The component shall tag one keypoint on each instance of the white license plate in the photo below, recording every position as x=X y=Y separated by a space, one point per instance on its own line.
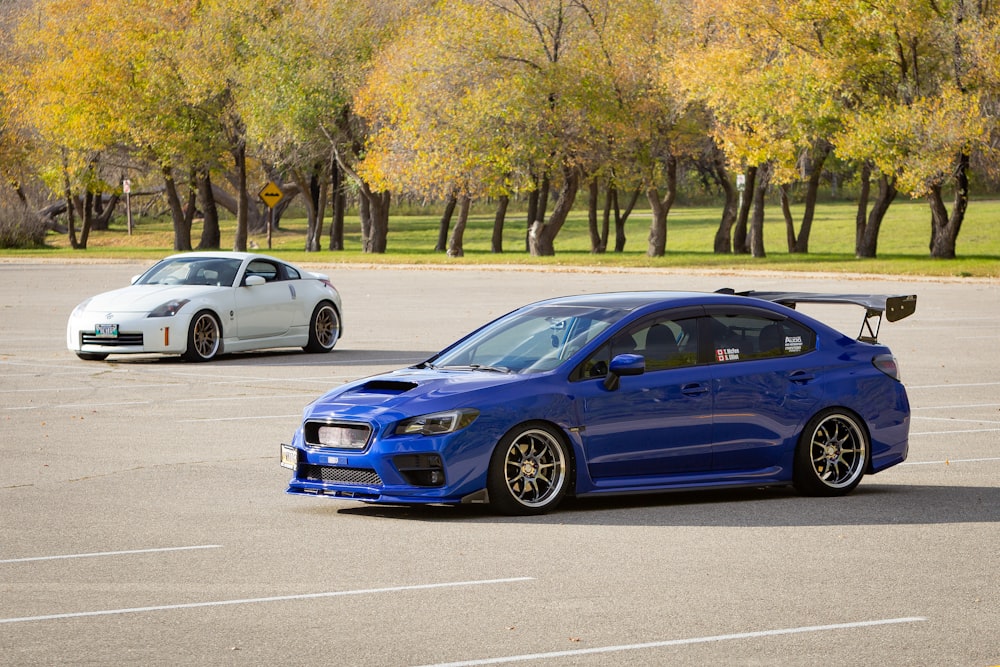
x=106 y=330
x=289 y=457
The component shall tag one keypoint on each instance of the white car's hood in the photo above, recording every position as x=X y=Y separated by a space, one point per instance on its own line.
x=144 y=298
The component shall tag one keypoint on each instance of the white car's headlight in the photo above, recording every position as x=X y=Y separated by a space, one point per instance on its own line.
x=438 y=423
x=168 y=309
x=79 y=310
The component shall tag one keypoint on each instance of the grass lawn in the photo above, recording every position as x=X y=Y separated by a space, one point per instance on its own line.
x=902 y=250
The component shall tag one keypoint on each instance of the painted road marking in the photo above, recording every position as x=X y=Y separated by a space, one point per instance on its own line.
x=675 y=642
x=280 y=598
x=111 y=553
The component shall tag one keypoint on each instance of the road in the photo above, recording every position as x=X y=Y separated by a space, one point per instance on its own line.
x=143 y=519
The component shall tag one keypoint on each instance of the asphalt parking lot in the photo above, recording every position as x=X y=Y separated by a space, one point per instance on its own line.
x=143 y=519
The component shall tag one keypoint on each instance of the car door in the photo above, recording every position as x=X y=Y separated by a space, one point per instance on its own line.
x=266 y=310
x=655 y=424
x=764 y=384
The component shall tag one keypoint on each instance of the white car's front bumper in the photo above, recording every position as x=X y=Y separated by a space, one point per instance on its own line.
x=135 y=333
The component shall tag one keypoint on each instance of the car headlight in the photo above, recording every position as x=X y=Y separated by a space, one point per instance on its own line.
x=80 y=309
x=438 y=423
x=168 y=309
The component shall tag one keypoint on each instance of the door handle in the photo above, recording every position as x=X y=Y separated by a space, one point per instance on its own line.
x=801 y=377
x=694 y=389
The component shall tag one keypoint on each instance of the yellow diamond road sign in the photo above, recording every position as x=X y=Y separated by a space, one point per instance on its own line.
x=270 y=194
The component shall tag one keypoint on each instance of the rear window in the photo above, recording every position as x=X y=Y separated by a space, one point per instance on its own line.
x=745 y=337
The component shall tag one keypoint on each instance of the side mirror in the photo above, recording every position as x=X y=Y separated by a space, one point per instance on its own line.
x=134 y=279
x=624 y=365
x=250 y=281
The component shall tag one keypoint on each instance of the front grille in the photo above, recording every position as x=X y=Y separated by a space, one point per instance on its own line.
x=337 y=435
x=314 y=473
x=123 y=340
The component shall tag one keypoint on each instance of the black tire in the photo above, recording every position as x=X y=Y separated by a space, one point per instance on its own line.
x=324 y=328
x=204 y=337
x=832 y=455
x=529 y=471
x=92 y=356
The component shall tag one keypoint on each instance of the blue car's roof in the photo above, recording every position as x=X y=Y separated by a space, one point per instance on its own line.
x=638 y=299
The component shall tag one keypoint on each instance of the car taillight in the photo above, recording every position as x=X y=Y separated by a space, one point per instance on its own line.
x=327 y=283
x=887 y=364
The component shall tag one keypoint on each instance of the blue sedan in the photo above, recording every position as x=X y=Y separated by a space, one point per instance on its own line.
x=618 y=393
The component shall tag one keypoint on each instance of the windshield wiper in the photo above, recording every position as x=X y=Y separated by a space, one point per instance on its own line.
x=491 y=369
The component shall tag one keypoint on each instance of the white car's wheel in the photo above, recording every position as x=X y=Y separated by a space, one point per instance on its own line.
x=324 y=328
x=204 y=337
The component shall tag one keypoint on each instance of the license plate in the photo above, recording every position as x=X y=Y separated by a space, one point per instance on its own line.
x=106 y=331
x=289 y=457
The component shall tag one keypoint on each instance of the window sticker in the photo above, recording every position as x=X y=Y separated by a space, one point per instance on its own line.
x=727 y=354
x=793 y=344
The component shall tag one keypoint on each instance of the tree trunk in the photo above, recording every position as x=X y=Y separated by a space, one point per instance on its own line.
x=740 y=244
x=541 y=239
x=182 y=231
x=812 y=194
x=610 y=203
x=537 y=206
x=867 y=234
x=339 y=204
x=211 y=237
x=593 y=196
x=723 y=244
x=756 y=240
x=70 y=213
x=317 y=193
x=242 y=198
x=378 y=220
x=88 y=218
x=449 y=210
x=305 y=185
x=455 y=243
x=786 y=212
x=622 y=217
x=661 y=208
x=945 y=228
x=496 y=243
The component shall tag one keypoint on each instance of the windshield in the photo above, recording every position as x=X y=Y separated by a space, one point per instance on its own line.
x=192 y=271
x=529 y=341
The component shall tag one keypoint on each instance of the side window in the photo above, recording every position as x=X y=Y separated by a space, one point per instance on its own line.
x=745 y=337
x=664 y=344
x=267 y=270
x=291 y=273
x=668 y=344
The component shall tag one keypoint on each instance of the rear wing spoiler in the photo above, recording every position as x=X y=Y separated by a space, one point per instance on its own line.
x=893 y=307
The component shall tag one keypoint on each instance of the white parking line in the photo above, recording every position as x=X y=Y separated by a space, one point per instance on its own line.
x=110 y=553
x=953 y=386
x=955 y=407
x=953 y=419
x=237 y=419
x=948 y=461
x=675 y=642
x=280 y=598
x=77 y=405
x=957 y=432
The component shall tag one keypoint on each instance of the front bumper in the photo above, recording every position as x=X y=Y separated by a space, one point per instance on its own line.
x=136 y=334
x=412 y=470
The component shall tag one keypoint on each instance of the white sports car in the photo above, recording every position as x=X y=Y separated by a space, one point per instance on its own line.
x=202 y=304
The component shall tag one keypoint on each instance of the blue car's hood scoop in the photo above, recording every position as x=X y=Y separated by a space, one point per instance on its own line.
x=409 y=391
x=385 y=387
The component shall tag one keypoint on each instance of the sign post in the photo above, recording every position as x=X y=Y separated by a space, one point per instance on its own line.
x=270 y=194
